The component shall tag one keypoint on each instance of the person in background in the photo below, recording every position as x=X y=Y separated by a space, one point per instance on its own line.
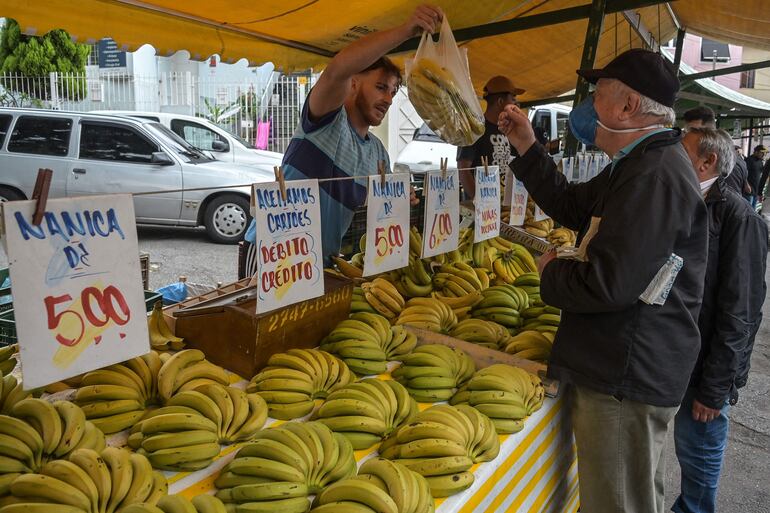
x=763 y=180
x=738 y=177
x=733 y=295
x=333 y=140
x=498 y=93
x=624 y=352
x=754 y=167
x=700 y=116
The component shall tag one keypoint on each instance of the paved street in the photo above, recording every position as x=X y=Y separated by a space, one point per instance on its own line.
x=180 y=251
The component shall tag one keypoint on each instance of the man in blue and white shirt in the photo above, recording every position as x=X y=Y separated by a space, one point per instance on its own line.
x=333 y=139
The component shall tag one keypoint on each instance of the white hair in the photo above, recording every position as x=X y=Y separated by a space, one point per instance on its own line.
x=649 y=107
x=719 y=142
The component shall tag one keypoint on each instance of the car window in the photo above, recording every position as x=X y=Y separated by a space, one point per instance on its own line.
x=561 y=125
x=196 y=134
x=5 y=122
x=112 y=142
x=41 y=136
x=542 y=119
x=424 y=133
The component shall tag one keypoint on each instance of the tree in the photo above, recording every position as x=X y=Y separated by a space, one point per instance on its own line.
x=36 y=57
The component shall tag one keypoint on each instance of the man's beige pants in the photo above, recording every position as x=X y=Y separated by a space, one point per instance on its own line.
x=620 y=449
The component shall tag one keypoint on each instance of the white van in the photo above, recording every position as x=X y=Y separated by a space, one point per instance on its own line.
x=425 y=150
x=207 y=136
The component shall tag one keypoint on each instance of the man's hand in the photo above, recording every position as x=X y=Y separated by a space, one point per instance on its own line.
x=515 y=125
x=702 y=413
x=425 y=18
x=545 y=260
x=413 y=199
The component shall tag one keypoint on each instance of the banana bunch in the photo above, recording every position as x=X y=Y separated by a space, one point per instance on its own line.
x=531 y=345
x=187 y=370
x=547 y=320
x=292 y=380
x=282 y=466
x=383 y=297
x=502 y=304
x=161 y=336
x=381 y=486
x=465 y=244
x=487 y=334
x=429 y=314
x=504 y=393
x=506 y=259
x=461 y=306
x=178 y=504
x=7 y=359
x=11 y=393
x=87 y=482
x=176 y=438
x=115 y=398
x=358 y=302
x=437 y=99
x=348 y=269
x=433 y=372
x=562 y=237
x=530 y=283
x=40 y=431
x=442 y=443
x=457 y=280
x=237 y=415
x=366 y=411
x=415 y=279
x=366 y=341
x=539 y=228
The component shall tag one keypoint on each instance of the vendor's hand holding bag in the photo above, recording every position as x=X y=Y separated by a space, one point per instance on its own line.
x=439 y=85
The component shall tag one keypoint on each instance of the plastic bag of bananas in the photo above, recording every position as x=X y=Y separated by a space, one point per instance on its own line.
x=440 y=89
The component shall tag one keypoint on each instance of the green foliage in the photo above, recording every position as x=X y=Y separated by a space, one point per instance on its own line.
x=37 y=57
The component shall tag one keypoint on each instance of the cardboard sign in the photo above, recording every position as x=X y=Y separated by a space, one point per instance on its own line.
x=77 y=287
x=508 y=188
x=539 y=215
x=487 y=202
x=387 y=224
x=442 y=213
x=288 y=240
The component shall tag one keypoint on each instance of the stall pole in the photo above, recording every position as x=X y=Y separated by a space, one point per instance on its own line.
x=679 y=46
x=593 y=33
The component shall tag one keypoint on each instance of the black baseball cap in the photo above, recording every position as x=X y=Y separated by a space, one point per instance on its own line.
x=645 y=72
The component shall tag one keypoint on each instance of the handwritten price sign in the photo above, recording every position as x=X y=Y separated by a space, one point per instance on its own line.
x=487 y=203
x=288 y=238
x=518 y=202
x=77 y=288
x=442 y=213
x=387 y=224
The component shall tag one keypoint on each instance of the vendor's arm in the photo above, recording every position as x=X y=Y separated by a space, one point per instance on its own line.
x=741 y=287
x=635 y=238
x=333 y=86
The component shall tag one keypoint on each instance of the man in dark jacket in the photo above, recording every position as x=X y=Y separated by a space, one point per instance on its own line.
x=729 y=319
x=754 y=166
x=626 y=345
x=739 y=176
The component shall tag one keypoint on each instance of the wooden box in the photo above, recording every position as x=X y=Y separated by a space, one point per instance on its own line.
x=225 y=326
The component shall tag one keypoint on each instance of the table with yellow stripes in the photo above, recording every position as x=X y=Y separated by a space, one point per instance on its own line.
x=536 y=470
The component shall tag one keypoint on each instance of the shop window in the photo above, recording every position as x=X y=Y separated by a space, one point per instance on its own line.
x=747 y=79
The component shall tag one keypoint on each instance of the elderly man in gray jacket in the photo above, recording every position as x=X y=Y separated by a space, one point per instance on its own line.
x=628 y=338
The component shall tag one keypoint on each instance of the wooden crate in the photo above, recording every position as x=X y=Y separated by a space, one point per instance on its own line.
x=234 y=336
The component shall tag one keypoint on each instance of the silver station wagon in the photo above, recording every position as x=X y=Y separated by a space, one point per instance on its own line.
x=106 y=154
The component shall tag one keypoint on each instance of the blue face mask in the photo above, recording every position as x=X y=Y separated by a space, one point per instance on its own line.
x=583 y=121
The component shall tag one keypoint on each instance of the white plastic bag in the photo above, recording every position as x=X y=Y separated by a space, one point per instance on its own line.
x=439 y=85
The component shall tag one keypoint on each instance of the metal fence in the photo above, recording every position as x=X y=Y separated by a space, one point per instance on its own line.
x=263 y=113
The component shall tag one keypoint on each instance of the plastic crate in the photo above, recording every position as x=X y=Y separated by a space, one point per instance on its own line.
x=8 y=322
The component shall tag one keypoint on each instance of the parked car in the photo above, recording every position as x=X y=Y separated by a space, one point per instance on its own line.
x=105 y=154
x=426 y=149
x=207 y=136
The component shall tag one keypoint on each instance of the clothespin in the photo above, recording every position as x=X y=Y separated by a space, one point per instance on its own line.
x=40 y=193
x=485 y=163
x=381 y=170
x=444 y=163
x=281 y=182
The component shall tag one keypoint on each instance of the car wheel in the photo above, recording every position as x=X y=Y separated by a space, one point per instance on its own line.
x=7 y=194
x=227 y=218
